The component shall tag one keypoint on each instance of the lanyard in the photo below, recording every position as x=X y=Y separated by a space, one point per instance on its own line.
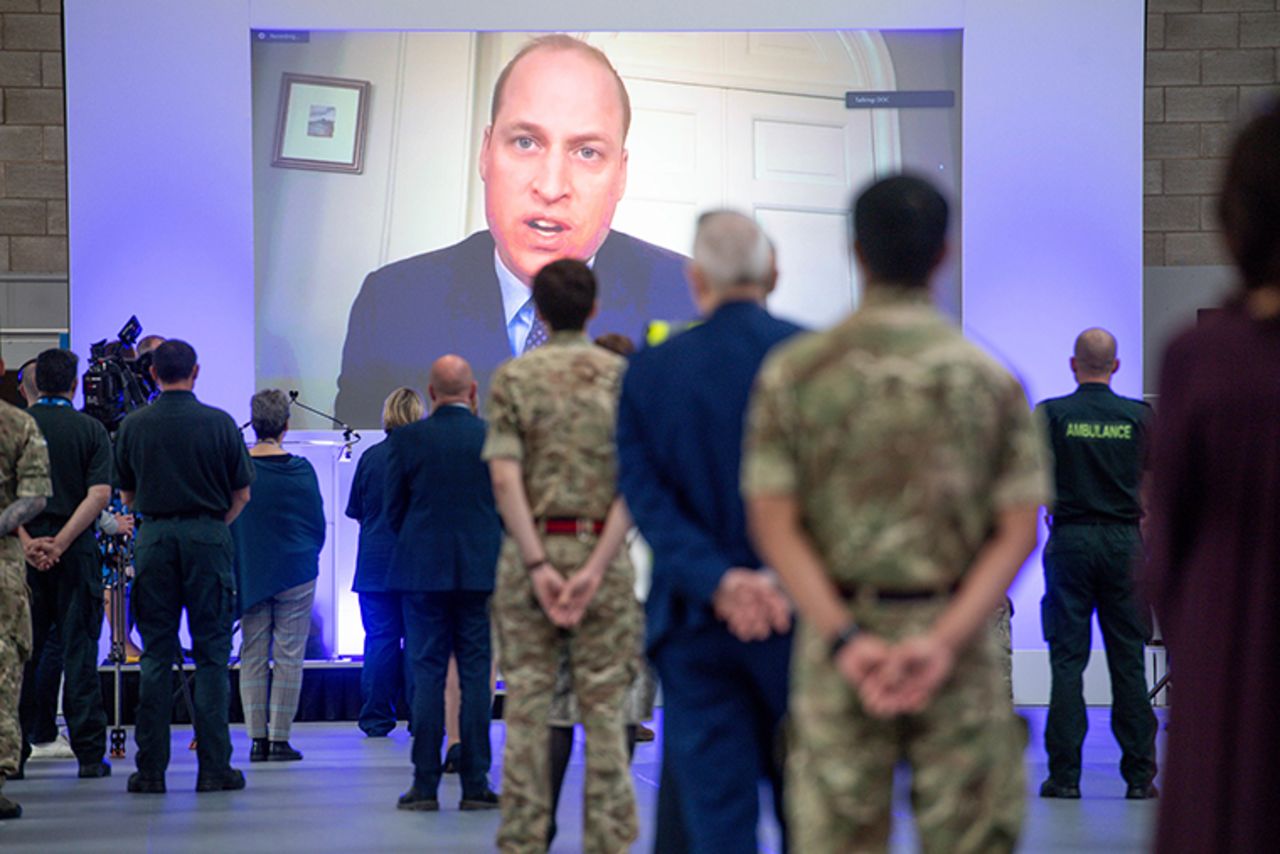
x=55 y=401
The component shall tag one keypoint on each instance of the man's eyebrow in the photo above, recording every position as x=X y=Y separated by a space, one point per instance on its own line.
x=598 y=137
x=521 y=128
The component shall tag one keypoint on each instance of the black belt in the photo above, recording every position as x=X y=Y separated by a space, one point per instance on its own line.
x=1090 y=520
x=182 y=517
x=880 y=594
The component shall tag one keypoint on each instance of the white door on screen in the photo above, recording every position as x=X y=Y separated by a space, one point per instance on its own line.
x=675 y=163
x=795 y=165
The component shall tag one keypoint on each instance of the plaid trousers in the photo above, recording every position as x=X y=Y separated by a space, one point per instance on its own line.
x=274 y=628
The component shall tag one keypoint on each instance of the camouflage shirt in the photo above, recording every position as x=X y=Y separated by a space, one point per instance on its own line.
x=553 y=409
x=900 y=440
x=24 y=470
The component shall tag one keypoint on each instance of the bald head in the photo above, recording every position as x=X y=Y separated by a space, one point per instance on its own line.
x=451 y=381
x=1094 y=358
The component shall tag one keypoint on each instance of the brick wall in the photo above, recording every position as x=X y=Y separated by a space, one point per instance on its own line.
x=33 y=169
x=1209 y=64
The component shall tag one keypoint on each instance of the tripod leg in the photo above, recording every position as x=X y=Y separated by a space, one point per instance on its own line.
x=1160 y=686
x=186 y=695
x=117 y=618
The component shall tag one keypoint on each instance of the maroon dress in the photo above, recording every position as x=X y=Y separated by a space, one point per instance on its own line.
x=1214 y=580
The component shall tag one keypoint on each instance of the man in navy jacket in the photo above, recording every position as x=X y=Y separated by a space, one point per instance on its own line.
x=554 y=166
x=439 y=501
x=718 y=627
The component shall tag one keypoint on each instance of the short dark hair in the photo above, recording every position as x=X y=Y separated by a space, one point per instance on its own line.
x=174 y=361
x=56 y=371
x=565 y=292
x=900 y=225
x=1249 y=206
x=616 y=342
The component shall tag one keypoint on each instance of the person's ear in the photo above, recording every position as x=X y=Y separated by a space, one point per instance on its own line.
x=1115 y=366
x=1072 y=362
x=195 y=372
x=431 y=393
x=595 y=309
x=155 y=378
x=486 y=151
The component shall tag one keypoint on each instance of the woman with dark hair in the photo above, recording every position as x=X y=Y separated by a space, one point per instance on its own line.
x=383 y=674
x=1214 y=575
x=278 y=539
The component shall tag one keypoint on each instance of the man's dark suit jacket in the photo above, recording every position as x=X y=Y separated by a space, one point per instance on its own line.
x=411 y=312
x=680 y=425
x=439 y=501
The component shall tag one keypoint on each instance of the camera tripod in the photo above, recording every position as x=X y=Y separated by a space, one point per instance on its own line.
x=117 y=552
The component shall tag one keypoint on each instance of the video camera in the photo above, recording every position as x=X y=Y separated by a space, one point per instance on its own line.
x=117 y=380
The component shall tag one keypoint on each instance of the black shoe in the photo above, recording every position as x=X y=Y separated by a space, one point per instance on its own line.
x=282 y=751
x=258 y=750
x=91 y=770
x=1142 y=792
x=417 y=800
x=486 y=800
x=9 y=809
x=1050 y=789
x=644 y=734
x=230 y=780
x=452 y=759
x=141 y=784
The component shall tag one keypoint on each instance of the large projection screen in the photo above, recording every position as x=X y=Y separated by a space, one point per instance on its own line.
x=161 y=181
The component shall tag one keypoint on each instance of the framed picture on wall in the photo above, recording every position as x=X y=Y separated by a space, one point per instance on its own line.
x=321 y=123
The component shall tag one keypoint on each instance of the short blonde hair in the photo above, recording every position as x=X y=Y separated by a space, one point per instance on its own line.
x=403 y=406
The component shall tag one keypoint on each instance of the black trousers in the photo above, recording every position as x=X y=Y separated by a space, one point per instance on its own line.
x=437 y=624
x=1089 y=568
x=184 y=564
x=386 y=674
x=47 y=685
x=68 y=599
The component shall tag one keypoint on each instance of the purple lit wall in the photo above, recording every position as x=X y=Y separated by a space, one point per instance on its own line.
x=161 y=195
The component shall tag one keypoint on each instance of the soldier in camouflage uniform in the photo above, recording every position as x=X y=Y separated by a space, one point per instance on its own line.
x=564 y=582
x=893 y=473
x=24 y=489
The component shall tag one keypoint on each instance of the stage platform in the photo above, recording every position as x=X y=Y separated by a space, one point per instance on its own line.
x=330 y=691
x=341 y=797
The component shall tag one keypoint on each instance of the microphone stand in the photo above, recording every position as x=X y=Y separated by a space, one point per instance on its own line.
x=349 y=435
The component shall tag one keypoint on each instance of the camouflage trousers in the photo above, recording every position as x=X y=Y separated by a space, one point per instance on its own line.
x=1002 y=627
x=964 y=750
x=602 y=659
x=15 y=649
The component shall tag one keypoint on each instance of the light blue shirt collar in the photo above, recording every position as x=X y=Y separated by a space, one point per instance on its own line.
x=517 y=304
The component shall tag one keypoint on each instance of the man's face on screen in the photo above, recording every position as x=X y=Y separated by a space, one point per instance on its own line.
x=552 y=162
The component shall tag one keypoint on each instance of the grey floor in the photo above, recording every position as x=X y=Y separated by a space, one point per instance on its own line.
x=342 y=796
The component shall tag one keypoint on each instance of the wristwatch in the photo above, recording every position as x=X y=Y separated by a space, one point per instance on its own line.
x=847 y=634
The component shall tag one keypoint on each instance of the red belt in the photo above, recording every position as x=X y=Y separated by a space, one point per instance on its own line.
x=561 y=526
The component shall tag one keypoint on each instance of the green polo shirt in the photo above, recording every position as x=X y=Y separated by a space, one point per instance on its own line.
x=79 y=457
x=181 y=458
x=1099 y=441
